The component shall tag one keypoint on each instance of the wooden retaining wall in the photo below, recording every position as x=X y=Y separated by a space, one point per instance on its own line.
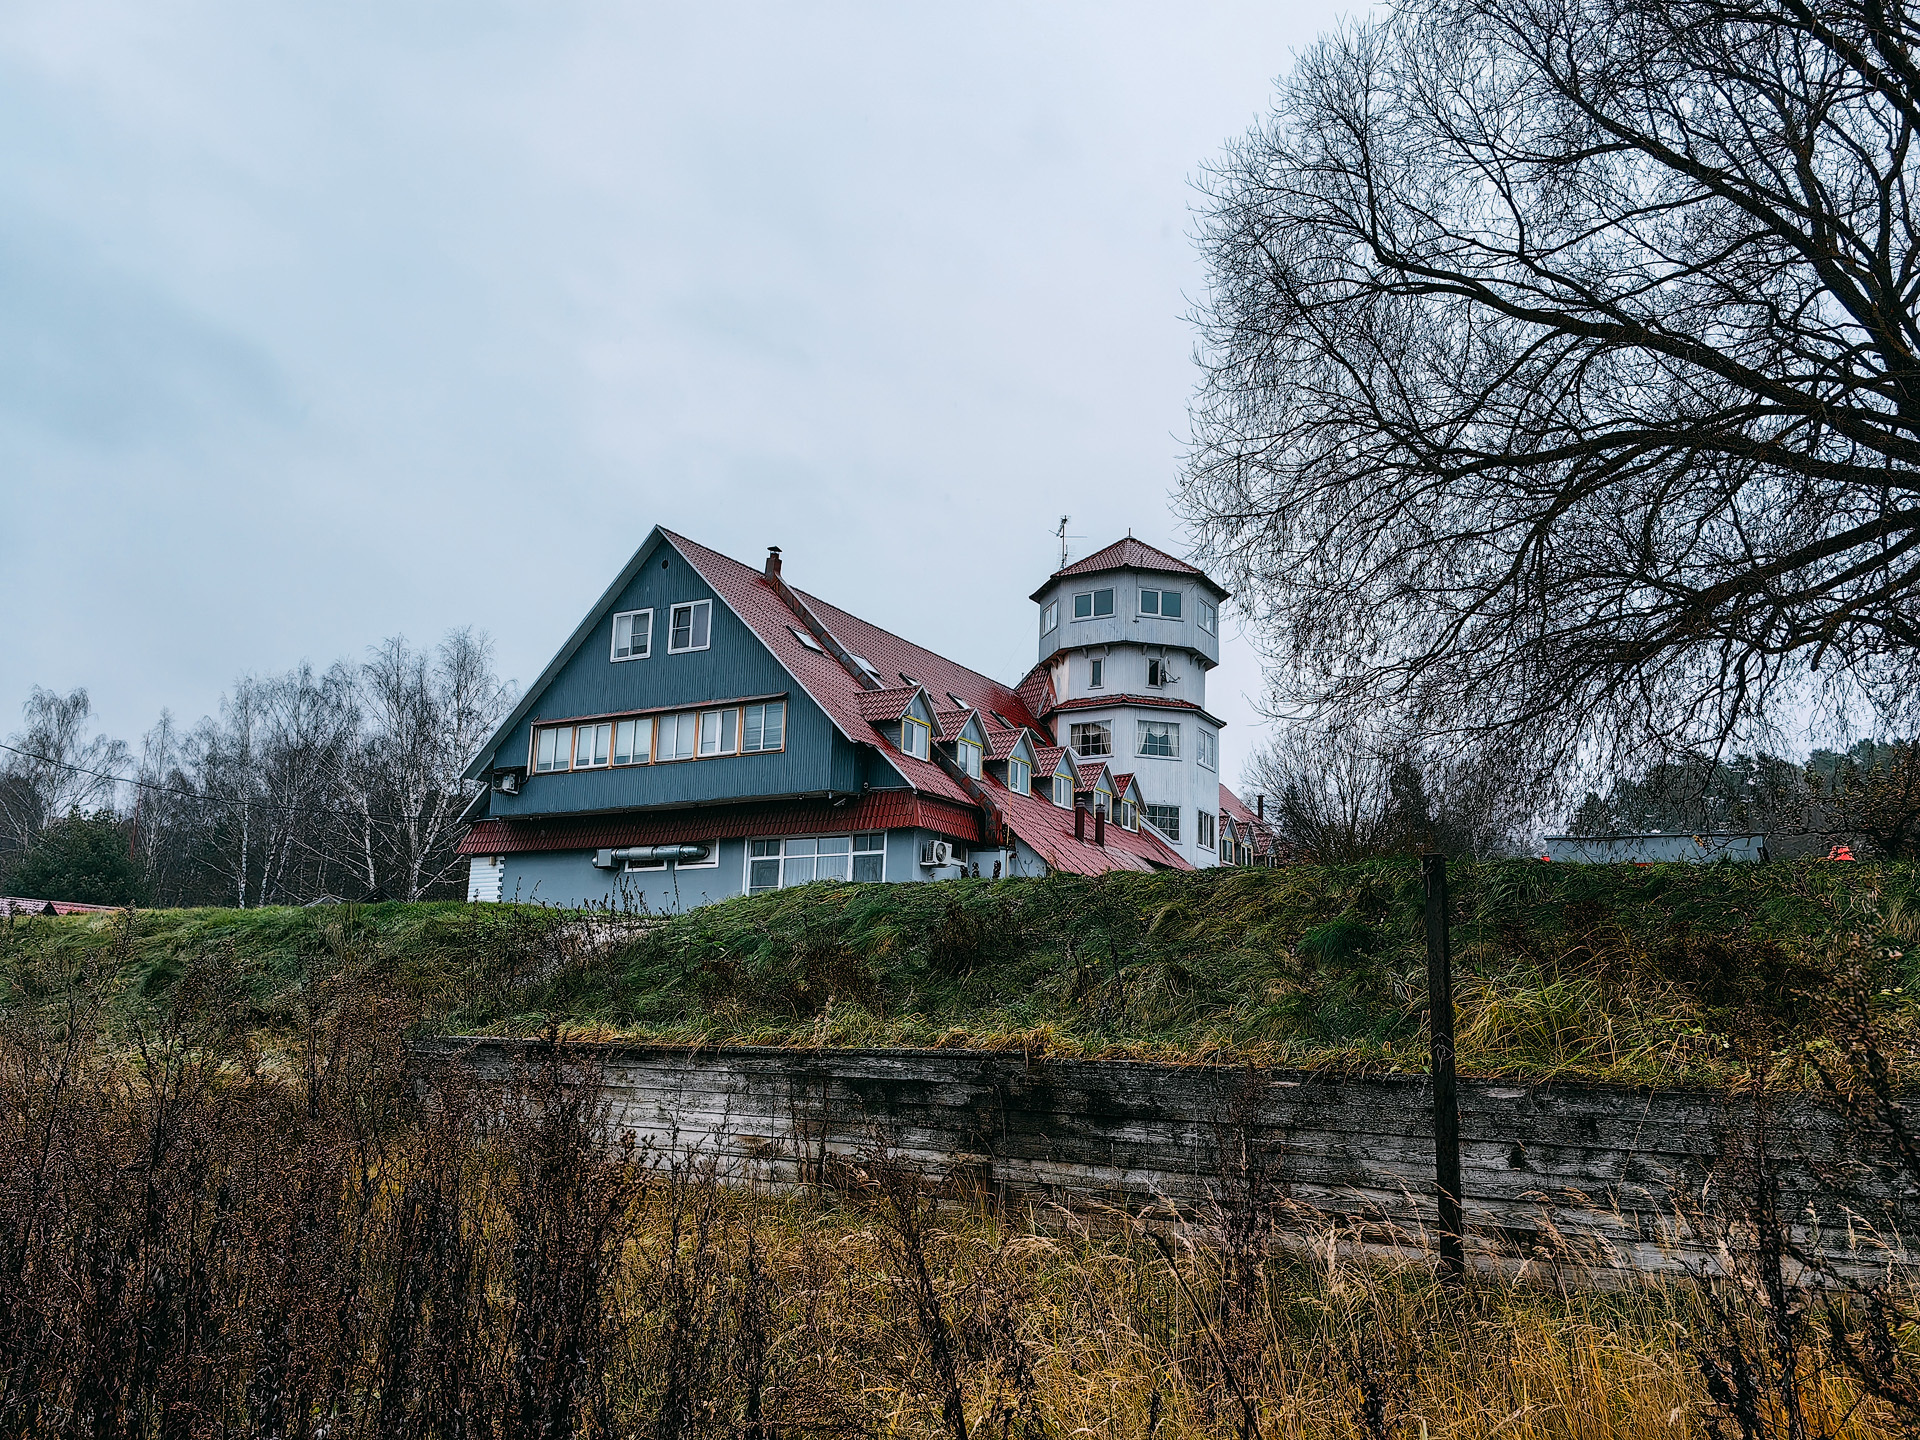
x=1555 y=1176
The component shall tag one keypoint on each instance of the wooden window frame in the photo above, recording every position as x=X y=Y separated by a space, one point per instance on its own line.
x=614 y=644
x=689 y=605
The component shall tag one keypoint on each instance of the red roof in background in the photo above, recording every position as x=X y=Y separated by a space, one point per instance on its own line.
x=1128 y=554
x=14 y=905
x=1262 y=836
x=885 y=705
x=876 y=810
x=1121 y=785
x=1049 y=830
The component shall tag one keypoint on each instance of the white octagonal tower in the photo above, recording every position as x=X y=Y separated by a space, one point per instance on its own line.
x=1127 y=636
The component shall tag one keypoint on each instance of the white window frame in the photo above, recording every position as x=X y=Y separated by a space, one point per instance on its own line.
x=1129 y=815
x=1203 y=823
x=726 y=733
x=634 y=755
x=1156 y=665
x=1050 y=618
x=592 y=731
x=1097 y=674
x=1160 y=603
x=970 y=752
x=1015 y=763
x=1174 y=833
x=1209 y=619
x=1076 y=733
x=1207 y=748
x=1092 y=597
x=646 y=647
x=1143 y=733
x=864 y=843
x=1103 y=799
x=690 y=606
x=1060 y=780
x=562 y=763
x=915 y=732
x=659 y=727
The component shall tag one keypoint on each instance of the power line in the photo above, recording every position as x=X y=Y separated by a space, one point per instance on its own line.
x=381 y=817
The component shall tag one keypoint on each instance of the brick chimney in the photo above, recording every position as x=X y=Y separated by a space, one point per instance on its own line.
x=1080 y=822
x=773 y=562
x=1260 y=807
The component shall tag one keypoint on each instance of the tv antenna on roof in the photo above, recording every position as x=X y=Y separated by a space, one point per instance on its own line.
x=1064 y=537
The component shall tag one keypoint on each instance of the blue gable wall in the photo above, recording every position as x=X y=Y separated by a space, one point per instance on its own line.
x=736 y=664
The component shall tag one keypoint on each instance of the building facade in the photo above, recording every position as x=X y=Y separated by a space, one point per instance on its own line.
x=708 y=731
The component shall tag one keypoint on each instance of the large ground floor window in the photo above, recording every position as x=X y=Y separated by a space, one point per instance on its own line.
x=776 y=864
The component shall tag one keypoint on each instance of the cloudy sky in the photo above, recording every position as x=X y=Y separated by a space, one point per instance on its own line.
x=330 y=322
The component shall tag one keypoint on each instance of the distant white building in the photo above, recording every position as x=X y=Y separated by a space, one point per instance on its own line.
x=1656 y=848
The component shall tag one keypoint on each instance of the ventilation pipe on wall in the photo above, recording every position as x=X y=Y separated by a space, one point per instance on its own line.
x=607 y=859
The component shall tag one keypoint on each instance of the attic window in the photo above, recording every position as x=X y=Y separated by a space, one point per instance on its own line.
x=1019 y=777
x=805 y=639
x=958 y=703
x=1063 y=792
x=906 y=679
x=914 y=735
x=866 y=665
x=970 y=758
x=690 y=627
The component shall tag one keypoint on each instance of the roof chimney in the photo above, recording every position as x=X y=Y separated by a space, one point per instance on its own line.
x=1100 y=825
x=1080 y=823
x=773 y=562
x=1260 y=807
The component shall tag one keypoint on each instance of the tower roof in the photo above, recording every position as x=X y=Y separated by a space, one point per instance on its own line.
x=1130 y=554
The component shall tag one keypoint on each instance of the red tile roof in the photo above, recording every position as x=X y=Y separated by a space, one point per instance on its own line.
x=1151 y=702
x=1049 y=831
x=14 y=905
x=1262 y=836
x=1000 y=742
x=885 y=705
x=750 y=596
x=1046 y=760
x=952 y=722
x=1036 y=690
x=1128 y=554
x=876 y=810
x=1090 y=772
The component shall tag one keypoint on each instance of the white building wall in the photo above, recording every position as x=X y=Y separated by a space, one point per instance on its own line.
x=484 y=876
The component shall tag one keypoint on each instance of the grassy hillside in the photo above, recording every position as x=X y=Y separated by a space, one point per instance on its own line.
x=1667 y=973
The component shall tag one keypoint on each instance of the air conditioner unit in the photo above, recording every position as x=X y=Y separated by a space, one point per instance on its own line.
x=936 y=853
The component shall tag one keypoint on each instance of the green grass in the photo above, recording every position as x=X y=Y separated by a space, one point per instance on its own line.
x=1664 y=974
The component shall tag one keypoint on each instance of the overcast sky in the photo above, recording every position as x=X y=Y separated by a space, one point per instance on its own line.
x=329 y=322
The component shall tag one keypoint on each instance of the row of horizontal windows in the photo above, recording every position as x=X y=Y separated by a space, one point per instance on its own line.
x=689 y=627
x=1098 y=605
x=778 y=864
x=655 y=739
x=1158 y=738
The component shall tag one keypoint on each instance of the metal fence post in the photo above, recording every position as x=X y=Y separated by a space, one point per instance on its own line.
x=1446 y=1099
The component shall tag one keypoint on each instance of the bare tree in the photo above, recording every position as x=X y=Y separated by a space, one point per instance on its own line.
x=52 y=768
x=1562 y=371
x=425 y=717
x=1339 y=795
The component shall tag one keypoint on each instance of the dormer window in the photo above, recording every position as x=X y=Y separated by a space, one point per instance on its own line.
x=1092 y=604
x=970 y=753
x=1129 y=815
x=914 y=737
x=632 y=634
x=1063 y=791
x=1164 y=603
x=1019 y=777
